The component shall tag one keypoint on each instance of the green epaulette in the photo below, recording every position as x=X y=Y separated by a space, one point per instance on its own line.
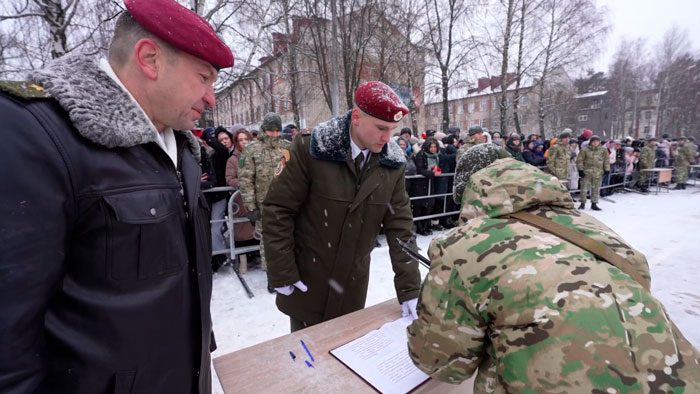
x=24 y=89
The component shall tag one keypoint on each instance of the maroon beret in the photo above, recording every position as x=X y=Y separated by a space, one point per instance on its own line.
x=380 y=101
x=181 y=28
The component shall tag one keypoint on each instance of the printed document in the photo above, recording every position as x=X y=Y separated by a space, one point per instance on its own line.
x=381 y=358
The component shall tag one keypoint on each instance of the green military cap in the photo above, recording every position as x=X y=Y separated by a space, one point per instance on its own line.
x=566 y=133
x=682 y=138
x=474 y=130
x=271 y=121
x=473 y=160
x=595 y=137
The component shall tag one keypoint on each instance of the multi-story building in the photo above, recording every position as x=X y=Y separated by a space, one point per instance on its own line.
x=593 y=112
x=268 y=86
x=480 y=106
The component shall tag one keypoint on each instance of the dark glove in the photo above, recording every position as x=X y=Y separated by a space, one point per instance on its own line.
x=580 y=173
x=254 y=216
x=605 y=173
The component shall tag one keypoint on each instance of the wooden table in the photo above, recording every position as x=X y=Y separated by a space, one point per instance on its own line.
x=661 y=175
x=268 y=368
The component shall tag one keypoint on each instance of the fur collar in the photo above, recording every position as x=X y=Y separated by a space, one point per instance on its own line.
x=98 y=108
x=331 y=141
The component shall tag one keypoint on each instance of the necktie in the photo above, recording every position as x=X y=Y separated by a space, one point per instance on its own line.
x=358 y=163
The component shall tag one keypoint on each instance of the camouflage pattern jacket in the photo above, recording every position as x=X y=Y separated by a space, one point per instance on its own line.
x=256 y=168
x=686 y=155
x=468 y=143
x=594 y=160
x=647 y=157
x=535 y=313
x=559 y=160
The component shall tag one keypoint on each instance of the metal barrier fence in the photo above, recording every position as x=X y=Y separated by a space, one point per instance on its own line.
x=232 y=207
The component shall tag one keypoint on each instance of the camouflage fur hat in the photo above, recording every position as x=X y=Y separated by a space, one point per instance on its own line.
x=595 y=137
x=271 y=121
x=475 y=159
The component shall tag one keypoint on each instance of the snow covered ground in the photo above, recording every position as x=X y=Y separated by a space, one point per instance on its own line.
x=664 y=227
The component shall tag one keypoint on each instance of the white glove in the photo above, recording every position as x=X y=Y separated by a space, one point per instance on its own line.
x=287 y=290
x=408 y=308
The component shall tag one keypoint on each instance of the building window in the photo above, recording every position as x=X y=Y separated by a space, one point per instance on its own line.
x=524 y=100
x=648 y=100
x=646 y=130
x=460 y=109
x=473 y=123
x=523 y=120
x=449 y=109
x=471 y=107
x=596 y=104
x=482 y=106
x=582 y=118
x=647 y=114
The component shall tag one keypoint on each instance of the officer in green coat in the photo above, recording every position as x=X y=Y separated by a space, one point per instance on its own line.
x=593 y=163
x=559 y=157
x=325 y=207
x=647 y=160
x=256 y=169
x=533 y=312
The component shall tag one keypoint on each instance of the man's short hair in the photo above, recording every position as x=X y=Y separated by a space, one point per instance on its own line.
x=127 y=32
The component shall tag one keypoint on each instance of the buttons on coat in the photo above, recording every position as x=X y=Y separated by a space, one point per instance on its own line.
x=153 y=212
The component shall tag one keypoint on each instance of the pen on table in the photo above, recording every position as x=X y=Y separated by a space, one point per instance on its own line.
x=307 y=350
x=309 y=364
x=294 y=358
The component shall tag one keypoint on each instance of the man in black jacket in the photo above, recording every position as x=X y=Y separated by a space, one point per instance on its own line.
x=105 y=281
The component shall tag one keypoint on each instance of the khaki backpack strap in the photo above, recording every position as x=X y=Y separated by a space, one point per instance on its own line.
x=577 y=238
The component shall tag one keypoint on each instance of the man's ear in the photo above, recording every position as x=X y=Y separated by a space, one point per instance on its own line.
x=149 y=56
x=355 y=116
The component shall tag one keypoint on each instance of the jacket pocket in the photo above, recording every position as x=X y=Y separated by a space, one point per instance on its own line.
x=124 y=382
x=145 y=234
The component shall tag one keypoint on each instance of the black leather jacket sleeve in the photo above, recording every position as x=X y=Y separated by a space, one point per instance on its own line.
x=37 y=208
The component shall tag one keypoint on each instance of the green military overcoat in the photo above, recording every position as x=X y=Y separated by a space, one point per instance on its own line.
x=321 y=218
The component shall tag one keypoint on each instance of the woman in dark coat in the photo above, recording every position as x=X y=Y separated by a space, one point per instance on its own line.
x=427 y=164
x=513 y=147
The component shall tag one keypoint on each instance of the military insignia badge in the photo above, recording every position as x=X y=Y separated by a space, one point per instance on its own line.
x=398 y=116
x=282 y=163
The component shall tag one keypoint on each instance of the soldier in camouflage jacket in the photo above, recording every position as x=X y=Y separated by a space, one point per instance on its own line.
x=647 y=160
x=256 y=169
x=559 y=157
x=475 y=135
x=686 y=157
x=535 y=313
x=593 y=163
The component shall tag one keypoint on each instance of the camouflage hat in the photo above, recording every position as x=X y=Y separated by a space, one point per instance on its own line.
x=474 y=130
x=652 y=139
x=682 y=138
x=566 y=133
x=473 y=160
x=595 y=137
x=271 y=121
x=691 y=139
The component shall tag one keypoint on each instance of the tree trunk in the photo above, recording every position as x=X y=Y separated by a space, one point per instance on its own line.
x=504 y=69
x=334 y=60
x=445 y=101
x=518 y=69
x=292 y=61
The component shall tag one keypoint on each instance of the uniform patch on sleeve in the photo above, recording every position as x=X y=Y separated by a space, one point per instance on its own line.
x=282 y=163
x=241 y=161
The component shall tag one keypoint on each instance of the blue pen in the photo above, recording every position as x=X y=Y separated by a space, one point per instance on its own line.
x=307 y=351
x=294 y=358
x=308 y=364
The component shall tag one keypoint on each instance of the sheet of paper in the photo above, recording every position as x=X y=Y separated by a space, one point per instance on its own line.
x=381 y=358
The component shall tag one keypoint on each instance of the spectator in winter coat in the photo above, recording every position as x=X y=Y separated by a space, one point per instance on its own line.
x=513 y=147
x=531 y=156
x=573 y=171
x=221 y=141
x=427 y=164
x=665 y=146
x=497 y=139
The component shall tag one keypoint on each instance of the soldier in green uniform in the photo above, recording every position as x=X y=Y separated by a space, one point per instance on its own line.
x=256 y=169
x=686 y=157
x=647 y=159
x=559 y=157
x=593 y=163
x=534 y=312
x=323 y=212
x=474 y=138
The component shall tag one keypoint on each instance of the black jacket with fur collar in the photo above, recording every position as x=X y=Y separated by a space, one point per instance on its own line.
x=105 y=280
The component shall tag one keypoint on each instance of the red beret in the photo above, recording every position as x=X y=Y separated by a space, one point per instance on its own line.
x=380 y=101
x=181 y=28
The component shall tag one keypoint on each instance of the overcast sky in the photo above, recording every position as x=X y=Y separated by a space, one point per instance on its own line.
x=649 y=19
